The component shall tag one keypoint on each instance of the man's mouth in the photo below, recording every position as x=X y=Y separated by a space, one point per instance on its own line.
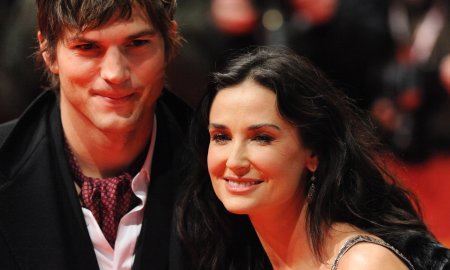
x=115 y=98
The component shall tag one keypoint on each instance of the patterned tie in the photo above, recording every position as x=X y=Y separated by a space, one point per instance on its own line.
x=109 y=199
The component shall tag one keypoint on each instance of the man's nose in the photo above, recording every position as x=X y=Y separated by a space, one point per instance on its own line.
x=238 y=161
x=115 y=67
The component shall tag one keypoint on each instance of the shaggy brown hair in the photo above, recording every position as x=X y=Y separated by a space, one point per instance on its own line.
x=55 y=16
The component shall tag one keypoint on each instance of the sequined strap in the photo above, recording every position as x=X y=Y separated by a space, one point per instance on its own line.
x=365 y=238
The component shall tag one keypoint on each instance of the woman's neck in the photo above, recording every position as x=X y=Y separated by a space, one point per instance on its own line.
x=284 y=237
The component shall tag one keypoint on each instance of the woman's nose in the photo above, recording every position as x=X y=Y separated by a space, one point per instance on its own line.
x=238 y=161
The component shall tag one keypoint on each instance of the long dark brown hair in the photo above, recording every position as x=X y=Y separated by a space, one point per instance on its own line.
x=352 y=183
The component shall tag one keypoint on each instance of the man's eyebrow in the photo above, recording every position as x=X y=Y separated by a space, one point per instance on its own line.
x=263 y=125
x=148 y=32
x=80 y=38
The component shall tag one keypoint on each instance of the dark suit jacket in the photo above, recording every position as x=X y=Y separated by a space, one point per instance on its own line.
x=41 y=222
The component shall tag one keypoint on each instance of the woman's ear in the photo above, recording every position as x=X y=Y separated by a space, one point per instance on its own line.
x=312 y=161
x=52 y=65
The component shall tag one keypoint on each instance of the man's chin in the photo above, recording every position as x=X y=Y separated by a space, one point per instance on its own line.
x=116 y=124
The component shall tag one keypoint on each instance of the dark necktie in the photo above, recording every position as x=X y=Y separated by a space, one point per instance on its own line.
x=109 y=199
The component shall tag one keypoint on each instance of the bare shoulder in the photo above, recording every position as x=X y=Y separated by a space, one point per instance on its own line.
x=360 y=254
x=371 y=256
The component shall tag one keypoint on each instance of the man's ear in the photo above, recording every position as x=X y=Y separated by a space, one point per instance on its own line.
x=173 y=26
x=52 y=65
x=173 y=37
x=312 y=161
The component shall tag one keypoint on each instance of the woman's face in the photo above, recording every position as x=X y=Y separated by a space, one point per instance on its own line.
x=256 y=159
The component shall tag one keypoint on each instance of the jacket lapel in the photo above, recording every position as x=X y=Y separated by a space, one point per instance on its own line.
x=40 y=217
x=153 y=244
x=79 y=241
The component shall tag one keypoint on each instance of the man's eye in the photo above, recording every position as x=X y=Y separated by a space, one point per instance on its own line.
x=263 y=138
x=139 y=42
x=220 y=138
x=86 y=46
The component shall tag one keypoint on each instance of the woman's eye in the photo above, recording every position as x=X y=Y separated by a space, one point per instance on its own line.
x=263 y=138
x=220 y=138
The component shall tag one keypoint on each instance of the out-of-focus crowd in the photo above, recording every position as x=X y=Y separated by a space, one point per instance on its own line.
x=391 y=56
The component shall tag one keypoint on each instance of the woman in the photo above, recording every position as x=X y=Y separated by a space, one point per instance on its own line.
x=288 y=177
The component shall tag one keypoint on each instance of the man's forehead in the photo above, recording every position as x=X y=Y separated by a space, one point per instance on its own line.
x=137 y=14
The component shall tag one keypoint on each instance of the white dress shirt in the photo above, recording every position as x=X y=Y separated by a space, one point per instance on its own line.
x=122 y=256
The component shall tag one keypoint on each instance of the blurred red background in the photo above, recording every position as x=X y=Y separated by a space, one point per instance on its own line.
x=430 y=181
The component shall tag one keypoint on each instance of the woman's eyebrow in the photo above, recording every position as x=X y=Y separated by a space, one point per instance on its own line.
x=263 y=125
x=217 y=126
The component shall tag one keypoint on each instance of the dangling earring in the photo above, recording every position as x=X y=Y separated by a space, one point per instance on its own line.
x=312 y=188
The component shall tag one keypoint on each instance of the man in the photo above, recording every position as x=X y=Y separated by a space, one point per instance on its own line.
x=87 y=173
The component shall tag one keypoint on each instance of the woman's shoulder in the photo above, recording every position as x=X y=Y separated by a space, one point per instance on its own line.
x=352 y=248
x=364 y=252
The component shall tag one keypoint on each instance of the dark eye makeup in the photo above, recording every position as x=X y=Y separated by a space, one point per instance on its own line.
x=219 y=137
x=264 y=138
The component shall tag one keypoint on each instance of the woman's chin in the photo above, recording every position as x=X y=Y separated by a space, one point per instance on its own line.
x=237 y=211
x=239 y=208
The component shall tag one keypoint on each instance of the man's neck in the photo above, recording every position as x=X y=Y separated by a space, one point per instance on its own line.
x=103 y=154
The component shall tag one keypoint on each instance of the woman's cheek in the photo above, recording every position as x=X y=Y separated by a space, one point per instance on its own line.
x=216 y=161
x=266 y=161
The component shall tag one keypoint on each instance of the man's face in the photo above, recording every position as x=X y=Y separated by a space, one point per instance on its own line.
x=111 y=76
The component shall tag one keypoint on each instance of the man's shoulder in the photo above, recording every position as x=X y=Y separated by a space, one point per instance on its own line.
x=20 y=130
x=177 y=108
x=6 y=128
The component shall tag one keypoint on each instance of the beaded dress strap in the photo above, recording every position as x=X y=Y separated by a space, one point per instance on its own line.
x=365 y=238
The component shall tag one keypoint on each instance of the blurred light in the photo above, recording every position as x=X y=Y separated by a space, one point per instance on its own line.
x=272 y=19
